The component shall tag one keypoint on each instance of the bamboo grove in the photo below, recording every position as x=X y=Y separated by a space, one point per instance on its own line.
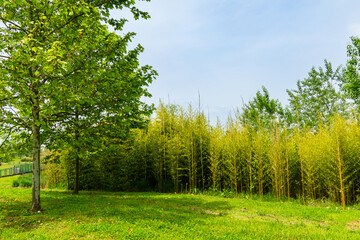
x=180 y=151
x=185 y=153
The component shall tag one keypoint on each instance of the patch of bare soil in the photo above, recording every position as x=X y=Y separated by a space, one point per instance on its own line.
x=354 y=225
x=209 y=212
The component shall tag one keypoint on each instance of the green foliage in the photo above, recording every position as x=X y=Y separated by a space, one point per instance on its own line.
x=180 y=152
x=262 y=110
x=62 y=71
x=23 y=181
x=16 y=183
x=351 y=80
x=317 y=97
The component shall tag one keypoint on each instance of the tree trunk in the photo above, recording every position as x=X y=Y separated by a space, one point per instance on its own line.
x=77 y=158
x=36 y=157
x=77 y=172
x=339 y=160
x=35 y=128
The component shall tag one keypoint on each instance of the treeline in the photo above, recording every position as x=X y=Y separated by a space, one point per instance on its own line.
x=182 y=147
x=180 y=151
x=308 y=149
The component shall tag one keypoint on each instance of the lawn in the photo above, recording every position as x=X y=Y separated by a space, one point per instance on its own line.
x=105 y=215
x=6 y=165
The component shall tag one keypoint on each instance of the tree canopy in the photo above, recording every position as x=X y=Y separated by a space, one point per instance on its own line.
x=59 y=58
x=351 y=80
x=261 y=110
x=318 y=96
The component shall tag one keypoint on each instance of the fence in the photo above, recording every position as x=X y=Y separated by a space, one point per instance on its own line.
x=17 y=169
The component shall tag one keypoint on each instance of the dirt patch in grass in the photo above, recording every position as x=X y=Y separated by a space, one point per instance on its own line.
x=354 y=225
x=280 y=219
x=208 y=212
x=212 y=212
x=243 y=217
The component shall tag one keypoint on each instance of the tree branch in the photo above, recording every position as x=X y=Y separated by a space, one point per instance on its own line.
x=64 y=76
x=76 y=16
x=20 y=28
x=7 y=137
x=6 y=99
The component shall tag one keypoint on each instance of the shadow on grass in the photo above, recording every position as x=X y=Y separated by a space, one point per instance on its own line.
x=132 y=208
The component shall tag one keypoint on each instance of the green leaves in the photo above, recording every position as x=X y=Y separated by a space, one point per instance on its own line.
x=317 y=97
x=66 y=71
x=261 y=110
x=351 y=80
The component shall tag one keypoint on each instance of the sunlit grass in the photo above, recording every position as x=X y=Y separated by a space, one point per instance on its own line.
x=104 y=215
x=6 y=165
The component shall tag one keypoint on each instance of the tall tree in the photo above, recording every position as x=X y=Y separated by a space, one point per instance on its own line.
x=111 y=109
x=351 y=80
x=317 y=97
x=261 y=110
x=50 y=59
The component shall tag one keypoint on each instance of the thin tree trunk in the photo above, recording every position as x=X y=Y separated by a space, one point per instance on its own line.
x=342 y=192
x=177 y=169
x=250 y=175
x=302 y=173
x=36 y=156
x=146 y=165
x=241 y=177
x=189 y=163
x=77 y=160
x=260 y=174
x=164 y=155
x=202 y=166
x=193 y=163
x=77 y=165
x=235 y=173
x=287 y=169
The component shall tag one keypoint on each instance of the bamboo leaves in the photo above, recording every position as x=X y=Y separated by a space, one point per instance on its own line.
x=305 y=163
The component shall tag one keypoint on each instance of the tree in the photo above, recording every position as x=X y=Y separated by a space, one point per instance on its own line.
x=112 y=108
x=317 y=97
x=52 y=57
x=261 y=110
x=351 y=80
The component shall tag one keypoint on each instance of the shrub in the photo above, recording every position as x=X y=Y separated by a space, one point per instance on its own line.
x=25 y=181
x=16 y=183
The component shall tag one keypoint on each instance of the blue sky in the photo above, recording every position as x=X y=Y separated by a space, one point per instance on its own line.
x=228 y=49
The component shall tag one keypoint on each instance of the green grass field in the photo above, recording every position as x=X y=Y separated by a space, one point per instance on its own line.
x=6 y=165
x=103 y=215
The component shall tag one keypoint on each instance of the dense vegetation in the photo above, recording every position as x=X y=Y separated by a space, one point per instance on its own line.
x=66 y=77
x=180 y=151
x=307 y=150
x=71 y=85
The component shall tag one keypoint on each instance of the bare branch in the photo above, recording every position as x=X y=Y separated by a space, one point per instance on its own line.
x=61 y=114
x=7 y=137
x=18 y=27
